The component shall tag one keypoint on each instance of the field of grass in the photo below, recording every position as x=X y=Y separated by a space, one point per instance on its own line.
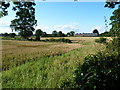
x=29 y=64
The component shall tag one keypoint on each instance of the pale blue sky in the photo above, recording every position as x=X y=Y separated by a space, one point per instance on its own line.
x=65 y=16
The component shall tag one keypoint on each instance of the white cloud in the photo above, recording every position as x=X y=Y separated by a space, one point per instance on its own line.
x=67 y=28
x=64 y=28
x=4 y=27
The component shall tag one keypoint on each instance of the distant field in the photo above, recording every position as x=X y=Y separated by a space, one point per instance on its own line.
x=30 y=64
x=18 y=52
x=76 y=39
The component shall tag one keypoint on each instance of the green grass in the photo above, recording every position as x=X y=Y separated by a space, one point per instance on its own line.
x=44 y=71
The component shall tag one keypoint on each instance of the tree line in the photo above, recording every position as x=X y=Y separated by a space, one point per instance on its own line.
x=38 y=34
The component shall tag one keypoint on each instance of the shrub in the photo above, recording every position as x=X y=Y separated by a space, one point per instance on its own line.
x=101 y=40
x=114 y=45
x=98 y=72
x=58 y=40
x=6 y=38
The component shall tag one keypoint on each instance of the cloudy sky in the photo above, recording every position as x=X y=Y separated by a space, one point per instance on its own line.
x=65 y=16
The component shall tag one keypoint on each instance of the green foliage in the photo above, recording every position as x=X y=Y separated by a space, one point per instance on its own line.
x=25 y=34
x=54 y=33
x=115 y=22
x=71 y=33
x=5 y=34
x=105 y=34
x=95 y=31
x=15 y=38
x=58 y=40
x=7 y=38
x=44 y=34
x=25 y=18
x=114 y=45
x=115 y=30
x=12 y=35
x=112 y=4
x=60 y=34
x=101 y=40
x=40 y=64
x=3 y=8
x=99 y=71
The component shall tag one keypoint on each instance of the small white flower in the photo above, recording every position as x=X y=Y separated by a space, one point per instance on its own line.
x=82 y=74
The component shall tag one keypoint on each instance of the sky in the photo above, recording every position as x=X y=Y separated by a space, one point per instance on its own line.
x=81 y=17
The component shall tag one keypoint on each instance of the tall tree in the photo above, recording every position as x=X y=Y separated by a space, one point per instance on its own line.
x=25 y=18
x=115 y=30
x=115 y=22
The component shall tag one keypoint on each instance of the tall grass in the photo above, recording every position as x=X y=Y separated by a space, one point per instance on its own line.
x=15 y=53
x=48 y=72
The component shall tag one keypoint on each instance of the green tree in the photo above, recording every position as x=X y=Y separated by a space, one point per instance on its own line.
x=115 y=22
x=72 y=33
x=60 y=34
x=54 y=33
x=25 y=18
x=44 y=34
x=38 y=33
x=68 y=34
x=12 y=35
x=115 y=30
x=105 y=34
x=5 y=34
x=25 y=34
x=95 y=31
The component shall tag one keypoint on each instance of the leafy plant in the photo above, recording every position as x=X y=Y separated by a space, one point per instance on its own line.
x=99 y=71
x=101 y=40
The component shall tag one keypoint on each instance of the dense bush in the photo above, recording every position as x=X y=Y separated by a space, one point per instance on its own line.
x=58 y=40
x=105 y=34
x=15 y=38
x=101 y=40
x=98 y=72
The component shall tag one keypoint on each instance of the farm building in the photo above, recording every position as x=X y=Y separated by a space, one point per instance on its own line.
x=94 y=34
x=87 y=34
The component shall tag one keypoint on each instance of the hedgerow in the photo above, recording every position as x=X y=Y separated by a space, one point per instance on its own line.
x=101 y=40
x=58 y=40
x=99 y=71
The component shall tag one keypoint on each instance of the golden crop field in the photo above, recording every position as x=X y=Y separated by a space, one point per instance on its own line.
x=17 y=52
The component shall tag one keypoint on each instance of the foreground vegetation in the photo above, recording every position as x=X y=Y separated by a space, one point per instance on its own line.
x=98 y=71
x=45 y=69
